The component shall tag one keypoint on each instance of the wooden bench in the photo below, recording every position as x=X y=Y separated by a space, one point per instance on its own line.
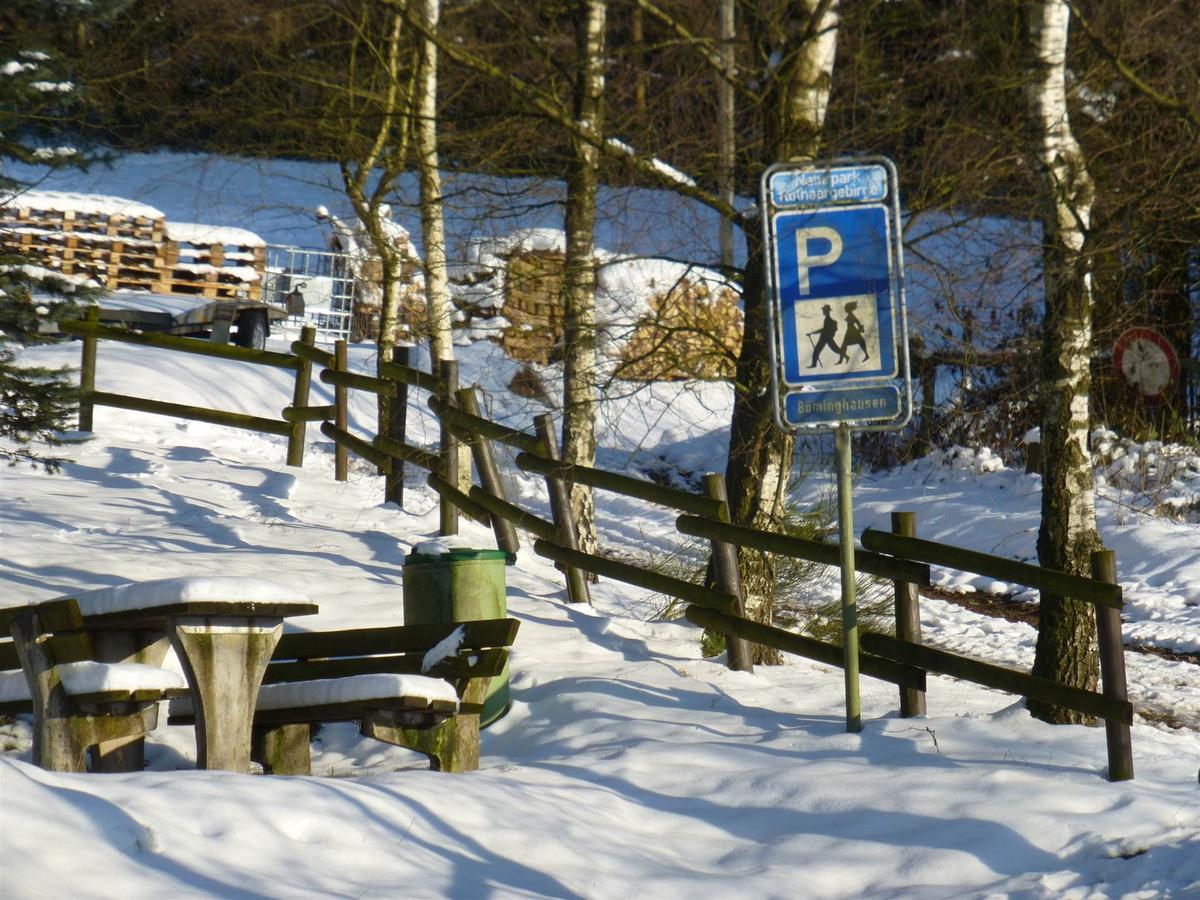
x=416 y=686
x=77 y=703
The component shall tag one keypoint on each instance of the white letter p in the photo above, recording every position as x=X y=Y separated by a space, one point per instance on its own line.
x=804 y=262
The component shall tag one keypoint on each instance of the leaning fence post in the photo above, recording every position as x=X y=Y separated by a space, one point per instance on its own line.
x=397 y=425
x=87 y=373
x=341 y=457
x=560 y=510
x=448 y=372
x=489 y=474
x=908 y=616
x=1112 y=669
x=295 y=448
x=728 y=579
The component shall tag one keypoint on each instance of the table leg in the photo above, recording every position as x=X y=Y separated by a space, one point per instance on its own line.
x=126 y=754
x=224 y=660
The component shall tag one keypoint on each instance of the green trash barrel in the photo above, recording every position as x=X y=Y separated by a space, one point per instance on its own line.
x=459 y=584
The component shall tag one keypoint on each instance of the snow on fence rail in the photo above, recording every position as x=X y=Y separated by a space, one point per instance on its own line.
x=897 y=555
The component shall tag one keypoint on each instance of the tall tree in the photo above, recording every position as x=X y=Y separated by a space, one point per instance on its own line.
x=433 y=217
x=727 y=126
x=794 y=47
x=579 y=276
x=1066 y=645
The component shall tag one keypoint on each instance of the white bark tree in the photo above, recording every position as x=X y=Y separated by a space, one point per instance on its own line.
x=433 y=220
x=579 y=277
x=433 y=212
x=1066 y=646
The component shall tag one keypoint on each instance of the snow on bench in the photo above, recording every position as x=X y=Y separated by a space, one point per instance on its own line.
x=90 y=677
x=349 y=689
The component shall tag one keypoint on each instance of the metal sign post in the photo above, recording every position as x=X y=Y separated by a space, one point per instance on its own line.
x=839 y=341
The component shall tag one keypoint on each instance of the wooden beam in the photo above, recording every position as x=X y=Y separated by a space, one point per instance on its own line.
x=1000 y=678
x=814 y=551
x=623 y=484
x=831 y=654
x=197 y=413
x=653 y=581
x=357 y=446
x=1048 y=581
x=178 y=342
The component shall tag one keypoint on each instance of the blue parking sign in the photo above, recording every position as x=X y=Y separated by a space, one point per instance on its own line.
x=833 y=281
x=837 y=306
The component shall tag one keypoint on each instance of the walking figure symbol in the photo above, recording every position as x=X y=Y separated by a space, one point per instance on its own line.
x=853 y=336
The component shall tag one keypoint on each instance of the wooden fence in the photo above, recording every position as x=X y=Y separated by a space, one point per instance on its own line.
x=897 y=555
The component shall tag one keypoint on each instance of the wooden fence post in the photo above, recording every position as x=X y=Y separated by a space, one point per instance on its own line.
x=393 y=484
x=295 y=448
x=489 y=473
x=1112 y=669
x=87 y=373
x=908 y=616
x=727 y=578
x=560 y=510
x=448 y=372
x=341 y=458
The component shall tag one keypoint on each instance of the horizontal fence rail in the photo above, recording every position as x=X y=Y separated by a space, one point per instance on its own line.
x=625 y=485
x=1048 y=581
x=510 y=512
x=308 y=413
x=465 y=504
x=999 y=677
x=315 y=355
x=639 y=577
x=359 y=382
x=197 y=413
x=357 y=446
x=876 y=666
x=801 y=548
x=179 y=343
x=464 y=421
x=408 y=375
x=407 y=452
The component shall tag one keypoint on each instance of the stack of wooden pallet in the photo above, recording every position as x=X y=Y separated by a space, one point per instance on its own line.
x=121 y=244
x=211 y=261
x=533 y=306
x=108 y=240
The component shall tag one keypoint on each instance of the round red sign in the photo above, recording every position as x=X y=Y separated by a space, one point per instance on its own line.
x=1146 y=360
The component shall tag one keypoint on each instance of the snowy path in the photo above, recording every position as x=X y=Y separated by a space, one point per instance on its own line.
x=628 y=764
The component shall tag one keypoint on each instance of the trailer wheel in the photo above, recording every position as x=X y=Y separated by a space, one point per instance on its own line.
x=252 y=330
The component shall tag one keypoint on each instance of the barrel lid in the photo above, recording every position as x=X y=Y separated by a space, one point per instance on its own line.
x=444 y=551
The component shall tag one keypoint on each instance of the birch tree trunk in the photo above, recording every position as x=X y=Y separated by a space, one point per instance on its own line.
x=433 y=221
x=1066 y=645
x=579 y=280
x=433 y=216
x=799 y=76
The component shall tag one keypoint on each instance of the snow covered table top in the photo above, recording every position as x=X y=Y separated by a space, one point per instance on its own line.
x=145 y=602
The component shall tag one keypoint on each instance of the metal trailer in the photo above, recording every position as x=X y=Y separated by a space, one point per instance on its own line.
x=247 y=321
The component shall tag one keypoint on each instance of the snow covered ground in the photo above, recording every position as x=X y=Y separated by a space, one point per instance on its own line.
x=628 y=766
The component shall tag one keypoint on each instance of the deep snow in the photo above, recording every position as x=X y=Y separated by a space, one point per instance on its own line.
x=628 y=765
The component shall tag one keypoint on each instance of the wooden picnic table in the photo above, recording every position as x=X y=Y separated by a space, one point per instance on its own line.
x=223 y=645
